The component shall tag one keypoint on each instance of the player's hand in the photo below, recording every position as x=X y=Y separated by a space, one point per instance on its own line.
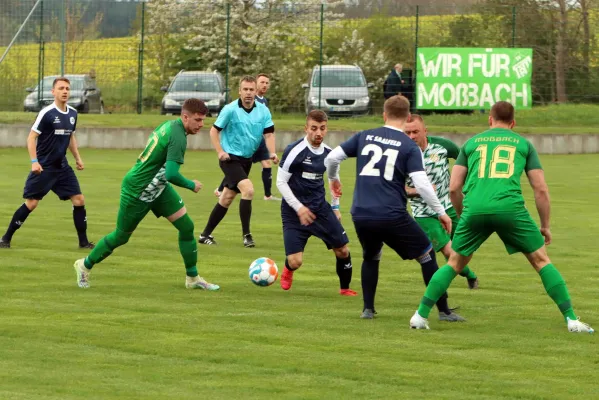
x=337 y=214
x=274 y=158
x=198 y=186
x=435 y=188
x=335 y=186
x=547 y=235
x=306 y=216
x=36 y=168
x=446 y=222
x=79 y=164
x=224 y=156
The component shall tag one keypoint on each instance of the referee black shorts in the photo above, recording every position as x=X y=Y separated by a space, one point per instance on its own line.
x=236 y=169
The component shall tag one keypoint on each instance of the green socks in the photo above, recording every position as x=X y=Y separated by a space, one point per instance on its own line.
x=435 y=289
x=556 y=289
x=468 y=273
x=106 y=246
x=187 y=245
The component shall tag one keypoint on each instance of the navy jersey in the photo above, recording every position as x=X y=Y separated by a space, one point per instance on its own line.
x=262 y=100
x=384 y=158
x=55 y=128
x=306 y=166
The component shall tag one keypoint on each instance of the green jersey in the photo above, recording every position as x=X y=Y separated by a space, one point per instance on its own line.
x=495 y=160
x=436 y=163
x=146 y=180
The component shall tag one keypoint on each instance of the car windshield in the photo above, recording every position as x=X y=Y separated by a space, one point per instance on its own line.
x=339 y=78
x=195 y=84
x=76 y=83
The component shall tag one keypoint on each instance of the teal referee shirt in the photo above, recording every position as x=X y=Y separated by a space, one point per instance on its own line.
x=242 y=129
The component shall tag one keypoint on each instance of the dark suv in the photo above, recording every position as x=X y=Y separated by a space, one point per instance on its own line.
x=86 y=97
x=206 y=86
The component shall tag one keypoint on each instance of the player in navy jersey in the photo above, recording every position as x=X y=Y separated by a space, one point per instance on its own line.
x=305 y=211
x=51 y=135
x=262 y=155
x=385 y=157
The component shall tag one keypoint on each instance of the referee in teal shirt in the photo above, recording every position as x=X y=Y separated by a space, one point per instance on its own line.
x=236 y=135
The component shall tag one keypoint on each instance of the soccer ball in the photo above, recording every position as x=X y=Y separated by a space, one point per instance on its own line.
x=263 y=272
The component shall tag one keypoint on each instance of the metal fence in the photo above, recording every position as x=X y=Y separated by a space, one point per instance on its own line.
x=133 y=49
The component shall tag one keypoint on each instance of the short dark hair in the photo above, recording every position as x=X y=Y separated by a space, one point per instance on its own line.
x=262 y=74
x=194 y=106
x=247 y=78
x=397 y=107
x=415 y=117
x=317 y=116
x=60 y=79
x=503 y=111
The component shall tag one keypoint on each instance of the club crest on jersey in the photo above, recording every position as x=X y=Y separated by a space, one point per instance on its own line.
x=434 y=158
x=72 y=120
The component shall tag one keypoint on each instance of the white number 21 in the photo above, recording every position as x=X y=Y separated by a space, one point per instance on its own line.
x=377 y=153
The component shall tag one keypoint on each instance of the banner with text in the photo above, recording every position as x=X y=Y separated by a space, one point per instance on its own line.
x=472 y=78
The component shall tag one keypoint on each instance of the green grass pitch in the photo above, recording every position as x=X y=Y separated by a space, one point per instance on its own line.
x=137 y=333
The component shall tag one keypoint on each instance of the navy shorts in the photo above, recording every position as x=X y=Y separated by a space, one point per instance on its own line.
x=403 y=235
x=326 y=227
x=63 y=182
x=262 y=154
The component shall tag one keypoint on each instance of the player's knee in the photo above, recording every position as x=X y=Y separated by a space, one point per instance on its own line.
x=185 y=227
x=31 y=204
x=371 y=256
x=342 y=252
x=248 y=192
x=294 y=261
x=539 y=258
x=78 y=200
x=120 y=237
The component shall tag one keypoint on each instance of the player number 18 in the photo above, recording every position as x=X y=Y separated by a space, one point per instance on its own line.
x=498 y=158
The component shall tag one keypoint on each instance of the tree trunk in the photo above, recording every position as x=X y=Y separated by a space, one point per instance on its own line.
x=586 y=39
x=561 y=53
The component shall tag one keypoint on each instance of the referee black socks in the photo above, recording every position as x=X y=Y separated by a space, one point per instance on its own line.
x=245 y=214
x=267 y=181
x=18 y=219
x=217 y=215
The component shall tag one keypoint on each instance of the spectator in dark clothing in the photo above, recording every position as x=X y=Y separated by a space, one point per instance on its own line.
x=394 y=84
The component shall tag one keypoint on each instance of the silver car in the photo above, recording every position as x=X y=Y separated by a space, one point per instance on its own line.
x=86 y=97
x=206 y=86
x=344 y=91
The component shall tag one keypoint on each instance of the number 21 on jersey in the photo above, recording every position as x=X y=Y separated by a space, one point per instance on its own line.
x=377 y=153
x=502 y=156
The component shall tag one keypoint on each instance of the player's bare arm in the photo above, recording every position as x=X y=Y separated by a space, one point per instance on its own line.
x=215 y=139
x=456 y=184
x=536 y=177
x=74 y=149
x=36 y=168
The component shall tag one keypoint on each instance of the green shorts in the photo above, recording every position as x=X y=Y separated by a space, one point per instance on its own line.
x=517 y=231
x=132 y=210
x=435 y=231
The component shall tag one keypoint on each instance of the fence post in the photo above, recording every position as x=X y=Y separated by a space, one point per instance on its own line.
x=40 y=66
x=513 y=26
x=415 y=70
x=227 y=55
x=140 y=69
x=63 y=35
x=320 y=57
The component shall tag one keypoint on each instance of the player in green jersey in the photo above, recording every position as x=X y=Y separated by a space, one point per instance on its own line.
x=490 y=165
x=436 y=151
x=148 y=187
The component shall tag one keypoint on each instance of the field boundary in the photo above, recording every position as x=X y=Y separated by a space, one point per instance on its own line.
x=136 y=138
